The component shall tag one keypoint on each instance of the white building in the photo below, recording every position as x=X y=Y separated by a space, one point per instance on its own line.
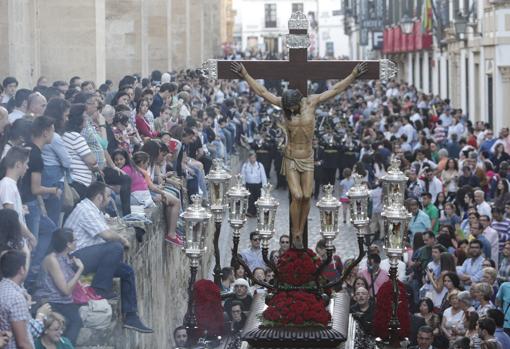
x=261 y=25
x=468 y=64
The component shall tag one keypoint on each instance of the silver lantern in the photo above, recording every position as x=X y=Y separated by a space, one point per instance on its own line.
x=358 y=197
x=396 y=219
x=329 y=215
x=266 y=214
x=237 y=204
x=218 y=180
x=196 y=222
x=394 y=184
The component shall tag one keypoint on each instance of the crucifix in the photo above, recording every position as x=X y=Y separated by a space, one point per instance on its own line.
x=298 y=107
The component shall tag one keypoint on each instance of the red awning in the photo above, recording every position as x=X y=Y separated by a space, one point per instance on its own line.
x=418 y=35
x=390 y=40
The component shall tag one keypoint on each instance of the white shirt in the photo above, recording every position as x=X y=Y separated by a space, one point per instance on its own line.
x=15 y=115
x=9 y=194
x=457 y=129
x=253 y=173
x=409 y=131
x=484 y=209
x=401 y=268
x=446 y=119
x=87 y=223
x=492 y=236
x=435 y=187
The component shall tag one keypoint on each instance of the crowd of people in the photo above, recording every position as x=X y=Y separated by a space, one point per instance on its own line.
x=74 y=154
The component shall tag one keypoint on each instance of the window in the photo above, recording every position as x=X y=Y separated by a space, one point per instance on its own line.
x=297 y=6
x=270 y=15
x=330 y=49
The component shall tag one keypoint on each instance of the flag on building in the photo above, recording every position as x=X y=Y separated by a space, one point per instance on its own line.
x=427 y=17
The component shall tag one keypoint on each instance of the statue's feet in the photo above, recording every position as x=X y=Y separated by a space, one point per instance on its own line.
x=297 y=243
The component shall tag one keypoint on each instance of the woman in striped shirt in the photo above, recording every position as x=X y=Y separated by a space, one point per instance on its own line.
x=83 y=161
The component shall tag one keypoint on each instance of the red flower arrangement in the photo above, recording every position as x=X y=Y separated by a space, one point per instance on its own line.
x=382 y=313
x=296 y=308
x=208 y=307
x=297 y=267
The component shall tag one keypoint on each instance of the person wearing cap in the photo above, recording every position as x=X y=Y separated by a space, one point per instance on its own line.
x=254 y=176
x=241 y=295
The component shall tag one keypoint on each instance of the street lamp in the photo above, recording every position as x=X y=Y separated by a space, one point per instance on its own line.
x=237 y=206
x=266 y=215
x=406 y=24
x=217 y=179
x=196 y=225
x=329 y=214
x=358 y=200
x=460 y=24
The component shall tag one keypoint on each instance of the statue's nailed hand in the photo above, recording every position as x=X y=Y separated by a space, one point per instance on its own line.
x=239 y=69
x=360 y=69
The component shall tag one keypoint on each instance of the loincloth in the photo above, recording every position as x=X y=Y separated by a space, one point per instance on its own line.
x=300 y=165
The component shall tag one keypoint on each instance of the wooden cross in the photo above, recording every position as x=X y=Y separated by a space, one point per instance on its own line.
x=298 y=69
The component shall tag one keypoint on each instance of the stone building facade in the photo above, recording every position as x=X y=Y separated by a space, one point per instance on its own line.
x=105 y=39
x=261 y=26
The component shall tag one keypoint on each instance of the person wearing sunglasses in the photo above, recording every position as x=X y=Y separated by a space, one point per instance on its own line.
x=284 y=247
x=253 y=254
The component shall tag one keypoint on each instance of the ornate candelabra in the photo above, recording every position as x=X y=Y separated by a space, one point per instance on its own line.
x=196 y=221
x=266 y=215
x=218 y=179
x=237 y=206
x=329 y=213
x=358 y=198
x=396 y=219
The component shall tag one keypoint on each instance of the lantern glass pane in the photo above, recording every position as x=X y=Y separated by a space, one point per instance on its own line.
x=328 y=219
x=238 y=207
x=359 y=209
x=264 y=218
x=395 y=235
x=216 y=193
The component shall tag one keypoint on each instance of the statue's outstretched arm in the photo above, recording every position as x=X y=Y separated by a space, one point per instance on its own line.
x=340 y=86
x=260 y=90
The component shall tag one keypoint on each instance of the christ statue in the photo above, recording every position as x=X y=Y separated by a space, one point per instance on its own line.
x=299 y=123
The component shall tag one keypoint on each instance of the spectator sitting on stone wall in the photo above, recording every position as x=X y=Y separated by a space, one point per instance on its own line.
x=101 y=251
x=60 y=273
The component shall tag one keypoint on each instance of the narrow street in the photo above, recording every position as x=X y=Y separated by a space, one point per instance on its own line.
x=346 y=242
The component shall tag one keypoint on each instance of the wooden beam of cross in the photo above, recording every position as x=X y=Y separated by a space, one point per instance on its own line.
x=298 y=69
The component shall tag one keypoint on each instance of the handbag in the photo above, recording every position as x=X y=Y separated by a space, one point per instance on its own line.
x=70 y=196
x=96 y=314
x=82 y=294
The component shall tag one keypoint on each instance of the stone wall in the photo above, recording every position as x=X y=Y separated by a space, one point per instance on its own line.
x=162 y=274
x=105 y=39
